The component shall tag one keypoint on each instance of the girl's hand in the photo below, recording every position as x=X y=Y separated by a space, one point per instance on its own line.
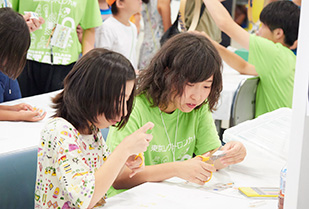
x=22 y=106
x=235 y=153
x=195 y=170
x=139 y=140
x=33 y=24
x=136 y=165
x=31 y=116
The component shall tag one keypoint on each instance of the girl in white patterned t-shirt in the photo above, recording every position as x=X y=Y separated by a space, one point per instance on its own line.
x=75 y=168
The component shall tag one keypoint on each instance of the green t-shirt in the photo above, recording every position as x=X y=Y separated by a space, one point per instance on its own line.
x=5 y=3
x=63 y=12
x=275 y=65
x=196 y=132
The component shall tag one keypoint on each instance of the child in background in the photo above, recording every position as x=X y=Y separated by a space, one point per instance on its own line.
x=269 y=55
x=13 y=49
x=105 y=10
x=75 y=167
x=118 y=33
x=157 y=19
x=177 y=92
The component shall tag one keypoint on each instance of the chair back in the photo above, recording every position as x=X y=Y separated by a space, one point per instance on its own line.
x=17 y=178
x=243 y=106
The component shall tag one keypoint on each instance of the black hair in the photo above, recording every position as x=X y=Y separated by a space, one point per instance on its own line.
x=95 y=86
x=284 y=15
x=15 y=41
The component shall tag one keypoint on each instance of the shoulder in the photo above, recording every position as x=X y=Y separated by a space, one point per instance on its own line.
x=60 y=126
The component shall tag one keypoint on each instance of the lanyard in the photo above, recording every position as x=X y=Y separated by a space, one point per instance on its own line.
x=169 y=141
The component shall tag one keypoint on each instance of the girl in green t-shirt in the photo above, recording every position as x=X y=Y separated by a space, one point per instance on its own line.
x=177 y=92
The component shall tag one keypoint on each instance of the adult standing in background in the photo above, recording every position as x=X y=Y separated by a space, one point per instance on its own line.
x=157 y=19
x=55 y=47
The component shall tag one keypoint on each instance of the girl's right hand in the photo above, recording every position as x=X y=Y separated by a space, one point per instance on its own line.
x=139 y=140
x=195 y=170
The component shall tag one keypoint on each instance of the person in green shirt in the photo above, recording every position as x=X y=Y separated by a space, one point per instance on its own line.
x=177 y=92
x=270 y=56
x=55 y=46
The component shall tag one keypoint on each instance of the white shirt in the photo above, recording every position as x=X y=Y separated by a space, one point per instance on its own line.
x=115 y=36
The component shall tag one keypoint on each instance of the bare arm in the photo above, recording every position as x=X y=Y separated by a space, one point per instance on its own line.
x=23 y=115
x=108 y=172
x=193 y=170
x=235 y=61
x=225 y=22
x=164 y=8
x=88 y=40
x=232 y=59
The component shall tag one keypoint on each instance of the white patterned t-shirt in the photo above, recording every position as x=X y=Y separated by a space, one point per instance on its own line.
x=67 y=162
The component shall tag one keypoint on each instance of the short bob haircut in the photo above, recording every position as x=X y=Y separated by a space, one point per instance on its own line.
x=95 y=86
x=185 y=58
x=284 y=15
x=15 y=41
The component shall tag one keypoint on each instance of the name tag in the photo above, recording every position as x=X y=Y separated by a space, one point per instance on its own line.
x=61 y=36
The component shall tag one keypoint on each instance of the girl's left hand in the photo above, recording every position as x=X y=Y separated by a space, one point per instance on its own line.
x=135 y=165
x=235 y=153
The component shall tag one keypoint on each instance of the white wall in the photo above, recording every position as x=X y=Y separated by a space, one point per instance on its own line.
x=297 y=187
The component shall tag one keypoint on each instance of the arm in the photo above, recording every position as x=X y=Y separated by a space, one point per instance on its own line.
x=108 y=172
x=193 y=170
x=164 y=9
x=232 y=59
x=32 y=116
x=88 y=40
x=235 y=61
x=19 y=112
x=225 y=22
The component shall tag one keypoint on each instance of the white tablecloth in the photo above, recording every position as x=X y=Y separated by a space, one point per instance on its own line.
x=261 y=168
x=22 y=135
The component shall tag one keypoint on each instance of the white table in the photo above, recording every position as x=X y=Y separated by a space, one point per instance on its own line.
x=22 y=135
x=260 y=168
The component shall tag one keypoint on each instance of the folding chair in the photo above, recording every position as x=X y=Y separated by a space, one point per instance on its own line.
x=243 y=106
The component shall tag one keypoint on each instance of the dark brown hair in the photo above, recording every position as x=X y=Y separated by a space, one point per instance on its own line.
x=15 y=41
x=96 y=85
x=183 y=58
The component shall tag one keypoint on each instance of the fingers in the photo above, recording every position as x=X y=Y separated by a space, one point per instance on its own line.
x=235 y=153
x=26 y=107
x=136 y=170
x=146 y=127
x=27 y=16
x=34 y=23
x=39 y=117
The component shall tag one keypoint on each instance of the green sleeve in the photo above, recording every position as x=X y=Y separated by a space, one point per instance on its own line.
x=115 y=136
x=262 y=53
x=92 y=17
x=15 y=5
x=207 y=137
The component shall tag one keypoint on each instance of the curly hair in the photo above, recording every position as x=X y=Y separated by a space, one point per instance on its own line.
x=183 y=58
